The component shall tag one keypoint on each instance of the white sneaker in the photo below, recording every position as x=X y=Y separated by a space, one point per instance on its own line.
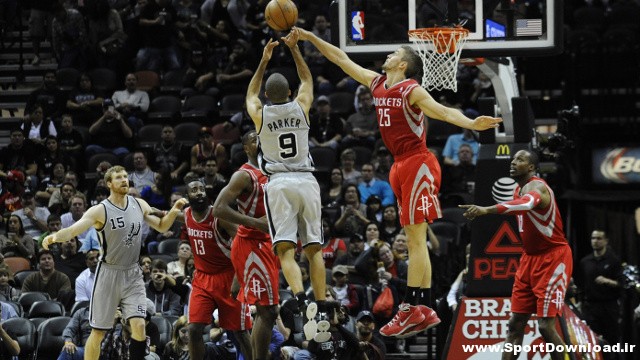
x=323 y=334
x=311 y=327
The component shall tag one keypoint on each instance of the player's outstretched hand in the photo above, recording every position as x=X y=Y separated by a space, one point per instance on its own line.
x=48 y=241
x=302 y=33
x=268 y=49
x=473 y=211
x=292 y=38
x=486 y=122
x=180 y=204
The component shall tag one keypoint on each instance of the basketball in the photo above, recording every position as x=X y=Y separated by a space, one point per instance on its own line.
x=281 y=15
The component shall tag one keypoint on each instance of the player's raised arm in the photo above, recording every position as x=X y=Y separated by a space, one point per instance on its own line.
x=433 y=109
x=93 y=217
x=535 y=196
x=162 y=224
x=305 y=92
x=254 y=105
x=240 y=181
x=339 y=57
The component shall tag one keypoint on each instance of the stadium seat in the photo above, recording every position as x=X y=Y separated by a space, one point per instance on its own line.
x=77 y=306
x=127 y=162
x=187 y=133
x=363 y=155
x=95 y=160
x=27 y=299
x=148 y=136
x=164 y=109
x=67 y=79
x=225 y=137
x=172 y=81
x=324 y=158
x=169 y=246
x=16 y=306
x=148 y=81
x=103 y=79
x=25 y=332
x=200 y=108
x=46 y=309
x=50 y=340
x=342 y=103
x=17 y=263
x=231 y=104
x=165 y=328
x=19 y=277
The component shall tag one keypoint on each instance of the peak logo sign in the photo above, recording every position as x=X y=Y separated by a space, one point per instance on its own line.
x=616 y=165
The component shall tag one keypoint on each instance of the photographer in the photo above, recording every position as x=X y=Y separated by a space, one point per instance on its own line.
x=110 y=133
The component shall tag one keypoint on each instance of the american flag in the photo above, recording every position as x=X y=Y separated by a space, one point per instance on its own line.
x=529 y=27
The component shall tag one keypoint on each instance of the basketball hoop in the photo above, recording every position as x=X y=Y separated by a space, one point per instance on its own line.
x=440 y=49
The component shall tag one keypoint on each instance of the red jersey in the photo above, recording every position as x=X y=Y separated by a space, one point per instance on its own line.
x=329 y=251
x=401 y=125
x=251 y=203
x=540 y=229
x=210 y=244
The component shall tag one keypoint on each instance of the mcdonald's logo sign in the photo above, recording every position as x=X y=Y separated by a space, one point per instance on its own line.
x=503 y=151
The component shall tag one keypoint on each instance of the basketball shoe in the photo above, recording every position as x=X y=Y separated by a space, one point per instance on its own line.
x=407 y=317
x=430 y=320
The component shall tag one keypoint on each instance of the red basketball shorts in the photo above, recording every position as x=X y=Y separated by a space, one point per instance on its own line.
x=257 y=271
x=541 y=282
x=415 y=181
x=213 y=291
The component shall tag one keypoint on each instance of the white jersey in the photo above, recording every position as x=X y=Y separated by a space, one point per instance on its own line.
x=284 y=139
x=120 y=237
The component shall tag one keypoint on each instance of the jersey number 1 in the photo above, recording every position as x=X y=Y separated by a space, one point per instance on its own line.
x=288 y=145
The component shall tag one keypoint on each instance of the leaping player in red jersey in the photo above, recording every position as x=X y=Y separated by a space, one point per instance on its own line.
x=255 y=263
x=546 y=263
x=401 y=105
x=210 y=240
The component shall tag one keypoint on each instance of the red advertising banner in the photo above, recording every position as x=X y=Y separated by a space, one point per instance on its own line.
x=480 y=328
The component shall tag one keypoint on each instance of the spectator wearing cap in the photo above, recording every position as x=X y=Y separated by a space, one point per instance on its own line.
x=382 y=161
x=345 y=292
x=460 y=178
x=326 y=127
x=157 y=35
x=371 y=186
x=15 y=242
x=235 y=77
x=70 y=140
x=36 y=127
x=34 y=218
x=200 y=77
x=131 y=102
x=356 y=247
x=170 y=155
x=373 y=346
x=451 y=147
x=85 y=102
x=110 y=133
x=206 y=149
x=11 y=190
x=51 y=98
x=362 y=126
x=20 y=154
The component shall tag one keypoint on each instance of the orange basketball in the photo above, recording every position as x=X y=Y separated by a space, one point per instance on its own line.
x=281 y=15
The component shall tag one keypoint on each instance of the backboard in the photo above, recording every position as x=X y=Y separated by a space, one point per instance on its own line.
x=367 y=29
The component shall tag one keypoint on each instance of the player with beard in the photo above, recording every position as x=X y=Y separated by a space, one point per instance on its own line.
x=210 y=240
x=118 y=277
x=255 y=264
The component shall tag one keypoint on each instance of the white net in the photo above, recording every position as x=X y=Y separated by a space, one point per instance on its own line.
x=440 y=50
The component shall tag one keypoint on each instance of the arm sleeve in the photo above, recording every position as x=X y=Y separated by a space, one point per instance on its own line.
x=529 y=201
x=451 y=296
x=387 y=195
